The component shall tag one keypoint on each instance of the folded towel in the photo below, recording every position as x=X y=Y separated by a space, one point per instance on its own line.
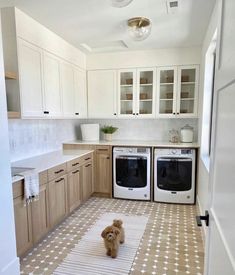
x=31 y=185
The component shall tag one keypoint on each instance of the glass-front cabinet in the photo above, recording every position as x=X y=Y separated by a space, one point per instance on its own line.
x=177 y=91
x=136 y=94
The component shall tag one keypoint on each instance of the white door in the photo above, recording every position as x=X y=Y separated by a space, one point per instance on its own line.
x=80 y=93
x=146 y=89
x=52 y=93
x=187 y=91
x=30 y=74
x=166 y=91
x=127 y=93
x=67 y=89
x=220 y=253
x=102 y=94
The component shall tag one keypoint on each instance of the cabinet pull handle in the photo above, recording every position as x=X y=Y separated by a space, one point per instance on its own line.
x=59 y=180
x=108 y=157
x=46 y=112
x=87 y=165
x=75 y=164
x=115 y=114
x=87 y=158
x=77 y=114
x=75 y=172
x=173 y=113
x=102 y=149
x=133 y=114
x=59 y=171
x=178 y=113
x=137 y=114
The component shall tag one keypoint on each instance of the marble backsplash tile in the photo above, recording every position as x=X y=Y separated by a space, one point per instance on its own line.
x=33 y=137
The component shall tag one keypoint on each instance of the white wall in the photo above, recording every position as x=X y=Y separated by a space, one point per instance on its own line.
x=9 y=263
x=203 y=173
x=149 y=58
x=34 y=137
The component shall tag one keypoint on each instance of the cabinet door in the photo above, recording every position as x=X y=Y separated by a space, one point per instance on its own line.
x=87 y=181
x=127 y=93
x=40 y=214
x=102 y=94
x=146 y=86
x=30 y=74
x=80 y=93
x=57 y=200
x=67 y=87
x=23 y=226
x=103 y=172
x=52 y=94
x=187 y=91
x=74 y=189
x=166 y=91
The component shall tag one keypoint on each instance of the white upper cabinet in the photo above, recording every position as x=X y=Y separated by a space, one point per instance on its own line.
x=80 y=93
x=146 y=85
x=30 y=74
x=177 y=91
x=136 y=92
x=67 y=88
x=52 y=93
x=102 y=94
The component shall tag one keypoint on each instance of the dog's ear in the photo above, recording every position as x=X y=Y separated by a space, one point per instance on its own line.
x=116 y=231
x=103 y=234
x=120 y=222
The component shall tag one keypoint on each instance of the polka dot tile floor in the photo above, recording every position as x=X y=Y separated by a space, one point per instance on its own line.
x=171 y=245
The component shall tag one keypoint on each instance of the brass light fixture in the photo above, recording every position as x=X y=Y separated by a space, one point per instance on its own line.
x=139 y=28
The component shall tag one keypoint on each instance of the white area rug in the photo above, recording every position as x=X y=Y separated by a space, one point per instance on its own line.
x=89 y=255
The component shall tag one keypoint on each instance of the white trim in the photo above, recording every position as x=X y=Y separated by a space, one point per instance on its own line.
x=11 y=267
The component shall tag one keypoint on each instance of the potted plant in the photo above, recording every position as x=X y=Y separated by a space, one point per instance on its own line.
x=108 y=131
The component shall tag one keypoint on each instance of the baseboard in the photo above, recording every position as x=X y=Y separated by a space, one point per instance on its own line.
x=12 y=268
x=201 y=213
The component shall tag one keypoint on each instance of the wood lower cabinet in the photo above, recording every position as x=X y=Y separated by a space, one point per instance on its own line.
x=23 y=225
x=87 y=181
x=103 y=181
x=74 y=189
x=57 y=200
x=40 y=217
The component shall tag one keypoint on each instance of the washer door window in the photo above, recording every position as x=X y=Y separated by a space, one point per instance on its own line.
x=174 y=174
x=131 y=172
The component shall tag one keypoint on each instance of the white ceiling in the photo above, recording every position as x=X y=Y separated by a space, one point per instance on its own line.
x=102 y=27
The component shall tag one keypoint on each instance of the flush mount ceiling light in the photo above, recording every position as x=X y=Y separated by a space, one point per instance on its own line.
x=139 y=28
x=120 y=3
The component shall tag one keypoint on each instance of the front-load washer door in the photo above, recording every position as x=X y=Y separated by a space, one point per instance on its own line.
x=131 y=171
x=174 y=174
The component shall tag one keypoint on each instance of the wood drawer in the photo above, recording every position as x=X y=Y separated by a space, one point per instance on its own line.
x=101 y=149
x=73 y=164
x=86 y=158
x=57 y=171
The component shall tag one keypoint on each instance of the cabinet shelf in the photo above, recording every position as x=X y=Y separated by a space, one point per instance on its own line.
x=10 y=75
x=185 y=99
x=147 y=100
x=187 y=83
x=126 y=100
x=126 y=85
x=147 y=84
x=166 y=83
x=166 y=99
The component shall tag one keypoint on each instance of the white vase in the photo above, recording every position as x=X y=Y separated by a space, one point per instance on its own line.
x=108 y=137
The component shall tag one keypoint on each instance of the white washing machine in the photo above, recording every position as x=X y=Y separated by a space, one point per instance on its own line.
x=131 y=173
x=174 y=175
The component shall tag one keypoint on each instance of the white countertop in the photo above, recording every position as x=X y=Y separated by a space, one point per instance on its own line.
x=46 y=161
x=147 y=143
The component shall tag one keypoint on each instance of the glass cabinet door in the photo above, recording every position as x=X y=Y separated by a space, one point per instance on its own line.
x=166 y=78
x=127 y=92
x=145 y=92
x=188 y=86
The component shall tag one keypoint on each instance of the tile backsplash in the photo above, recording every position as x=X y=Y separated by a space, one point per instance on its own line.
x=33 y=137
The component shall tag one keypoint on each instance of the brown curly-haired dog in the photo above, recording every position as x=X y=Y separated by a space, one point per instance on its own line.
x=118 y=224
x=111 y=236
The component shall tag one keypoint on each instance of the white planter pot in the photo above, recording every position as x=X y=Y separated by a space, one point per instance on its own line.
x=108 y=137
